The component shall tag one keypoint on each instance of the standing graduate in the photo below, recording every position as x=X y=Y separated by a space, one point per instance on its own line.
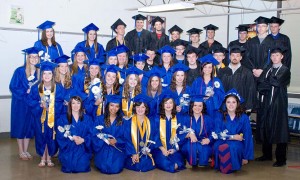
x=242 y=37
x=272 y=116
x=194 y=37
x=281 y=40
x=236 y=76
x=140 y=136
x=219 y=54
x=119 y=28
x=152 y=60
x=47 y=43
x=139 y=38
x=108 y=138
x=46 y=102
x=197 y=149
x=78 y=67
x=210 y=43
x=139 y=60
x=209 y=86
x=94 y=49
x=194 y=65
x=158 y=37
x=234 y=145
x=111 y=80
x=175 y=32
x=166 y=62
x=123 y=62
x=74 y=138
x=180 y=47
x=20 y=85
x=168 y=124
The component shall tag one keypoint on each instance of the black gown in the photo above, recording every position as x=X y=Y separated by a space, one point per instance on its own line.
x=193 y=74
x=236 y=43
x=242 y=80
x=282 y=40
x=159 y=43
x=138 y=44
x=272 y=116
x=114 y=43
x=208 y=50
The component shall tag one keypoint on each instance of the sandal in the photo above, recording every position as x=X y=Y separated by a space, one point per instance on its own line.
x=23 y=156
x=28 y=155
x=42 y=163
x=50 y=163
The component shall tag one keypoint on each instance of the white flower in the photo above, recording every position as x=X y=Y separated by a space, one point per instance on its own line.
x=151 y=142
x=186 y=95
x=47 y=92
x=95 y=81
x=71 y=138
x=30 y=78
x=99 y=127
x=164 y=85
x=121 y=80
x=214 y=135
x=41 y=53
x=162 y=80
x=95 y=90
x=217 y=84
x=61 y=129
x=69 y=61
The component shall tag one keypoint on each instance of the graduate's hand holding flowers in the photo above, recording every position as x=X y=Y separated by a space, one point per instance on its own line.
x=135 y=158
x=98 y=101
x=205 y=141
x=112 y=141
x=78 y=140
x=238 y=137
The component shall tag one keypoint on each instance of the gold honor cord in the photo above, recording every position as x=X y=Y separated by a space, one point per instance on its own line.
x=127 y=111
x=163 y=130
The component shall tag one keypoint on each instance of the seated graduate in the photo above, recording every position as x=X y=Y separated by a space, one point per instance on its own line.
x=166 y=62
x=74 y=138
x=108 y=138
x=209 y=86
x=140 y=135
x=46 y=101
x=167 y=156
x=197 y=149
x=234 y=143
x=20 y=85
x=78 y=67
x=111 y=80
x=131 y=88
x=179 y=88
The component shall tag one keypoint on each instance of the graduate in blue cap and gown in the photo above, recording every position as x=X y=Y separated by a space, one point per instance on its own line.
x=78 y=67
x=140 y=135
x=197 y=148
x=108 y=138
x=94 y=49
x=119 y=28
x=179 y=87
x=51 y=48
x=111 y=81
x=209 y=86
x=210 y=43
x=20 y=85
x=123 y=62
x=46 y=104
x=158 y=36
x=74 y=138
x=139 y=62
x=131 y=88
x=166 y=62
x=234 y=143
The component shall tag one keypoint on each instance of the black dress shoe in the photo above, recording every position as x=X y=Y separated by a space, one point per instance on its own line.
x=279 y=164
x=263 y=158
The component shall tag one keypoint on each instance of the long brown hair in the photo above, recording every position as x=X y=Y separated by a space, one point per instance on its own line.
x=138 y=104
x=28 y=68
x=191 y=113
x=81 y=110
x=95 y=43
x=239 y=108
x=159 y=88
x=74 y=68
x=67 y=81
x=212 y=73
x=173 y=82
x=88 y=79
x=41 y=85
x=115 y=88
x=107 y=116
x=162 y=112
x=45 y=40
x=137 y=88
x=161 y=64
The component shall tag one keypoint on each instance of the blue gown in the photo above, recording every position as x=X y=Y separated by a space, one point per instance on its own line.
x=196 y=153
x=168 y=76
x=184 y=109
x=53 y=51
x=75 y=158
x=239 y=150
x=91 y=54
x=44 y=138
x=212 y=103
x=108 y=159
x=167 y=163
x=22 y=125
x=145 y=162
x=154 y=104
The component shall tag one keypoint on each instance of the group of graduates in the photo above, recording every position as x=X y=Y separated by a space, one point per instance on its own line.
x=149 y=102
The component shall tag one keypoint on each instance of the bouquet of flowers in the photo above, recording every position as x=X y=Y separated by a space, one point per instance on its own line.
x=184 y=100
x=30 y=81
x=145 y=150
x=66 y=131
x=223 y=135
x=209 y=91
x=46 y=97
x=105 y=137
x=96 y=89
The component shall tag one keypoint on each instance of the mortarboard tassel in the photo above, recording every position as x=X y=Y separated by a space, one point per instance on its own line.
x=229 y=55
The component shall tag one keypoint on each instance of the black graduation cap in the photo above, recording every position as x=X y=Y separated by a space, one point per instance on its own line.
x=156 y=19
x=219 y=49
x=139 y=17
x=151 y=47
x=278 y=49
x=179 y=42
x=276 y=20
x=242 y=27
x=237 y=49
x=192 y=49
x=211 y=27
x=194 y=31
x=262 y=20
x=175 y=28
x=117 y=23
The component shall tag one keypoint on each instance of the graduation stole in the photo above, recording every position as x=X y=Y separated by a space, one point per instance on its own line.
x=127 y=110
x=215 y=67
x=135 y=126
x=51 y=111
x=163 y=130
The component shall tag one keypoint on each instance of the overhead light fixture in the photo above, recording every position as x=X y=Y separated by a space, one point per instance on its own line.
x=167 y=7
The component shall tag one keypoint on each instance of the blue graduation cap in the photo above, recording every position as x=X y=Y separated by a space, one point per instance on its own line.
x=46 y=66
x=197 y=98
x=142 y=98
x=166 y=49
x=235 y=93
x=209 y=59
x=110 y=53
x=46 y=25
x=122 y=48
x=79 y=49
x=32 y=50
x=113 y=99
x=133 y=70
x=110 y=68
x=140 y=57
x=94 y=61
x=71 y=94
x=155 y=71
x=61 y=59
x=167 y=94
x=89 y=27
x=179 y=67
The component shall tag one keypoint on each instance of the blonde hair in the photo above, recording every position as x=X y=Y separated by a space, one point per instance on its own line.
x=28 y=68
x=137 y=88
x=67 y=81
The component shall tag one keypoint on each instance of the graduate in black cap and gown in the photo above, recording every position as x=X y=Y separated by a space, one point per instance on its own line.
x=194 y=65
x=119 y=28
x=175 y=32
x=194 y=37
x=210 y=44
x=158 y=37
x=242 y=36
